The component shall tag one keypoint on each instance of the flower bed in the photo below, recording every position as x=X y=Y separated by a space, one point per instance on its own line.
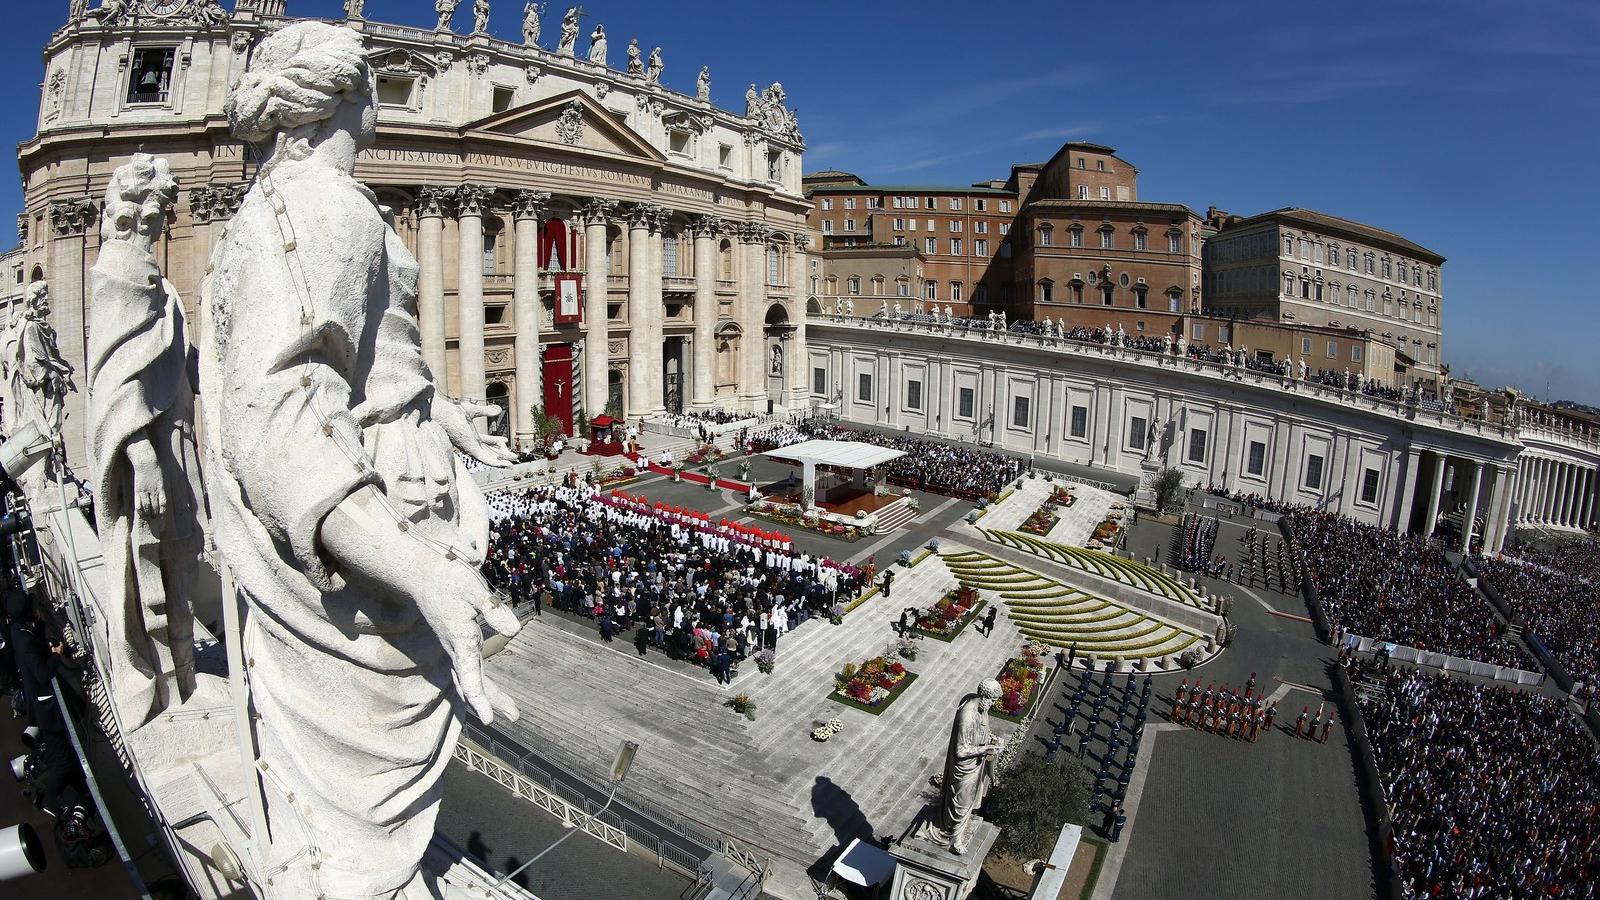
x=615 y=477
x=704 y=455
x=790 y=514
x=1044 y=518
x=1105 y=532
x=1021 y=683
x=873 y=686
x=954 y=612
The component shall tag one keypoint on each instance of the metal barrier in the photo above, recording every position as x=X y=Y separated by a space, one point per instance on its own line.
x=482 y=762
x=677 y=842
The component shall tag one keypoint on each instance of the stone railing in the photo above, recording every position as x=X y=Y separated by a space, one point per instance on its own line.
x=976 y=334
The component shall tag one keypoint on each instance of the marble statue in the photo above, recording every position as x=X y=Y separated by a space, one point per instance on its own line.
x=597 y=45
x=652 y=73
x=752 y=103
x=1122 y=337
x=635 y=58
x=777 y=360
x=1302 y=370
x=1150 y=438
x=353 y=9
x=210 y=14
x=38 y=378
x=352 y=530
x=897 y=309
x=1183 y=344
x=948 y=314
x=480 y=16
x=1002 y=320
x=530 y=23
x=110 y=12
x=1166 y=343
x=968 y=769
x=702 y=85
x=568 y=45
x=148 y=501
x=76 y=10
x=446 y=10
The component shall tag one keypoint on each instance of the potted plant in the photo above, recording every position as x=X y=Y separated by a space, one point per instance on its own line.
x=743 y=705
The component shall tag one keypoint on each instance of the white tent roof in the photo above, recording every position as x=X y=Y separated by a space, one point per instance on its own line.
x=844 y=454
x=864 y=864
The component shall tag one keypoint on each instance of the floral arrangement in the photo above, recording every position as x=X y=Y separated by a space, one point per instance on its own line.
x=766 y=661
x=872 y=686
x=743 y=705
x=619 y=476
x=826 y=730
x=836 y=615
x=1105 y=531
x=1041 y=521
x=1020 y=679
x=704 y=455
x=791 y=514
x=1062 y=497
x=954 y=611
x=907 y=650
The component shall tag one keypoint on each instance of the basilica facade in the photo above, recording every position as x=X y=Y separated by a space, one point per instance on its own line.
x=590 y=240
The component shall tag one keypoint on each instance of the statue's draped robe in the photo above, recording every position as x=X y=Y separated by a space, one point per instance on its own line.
x=966 y=776
x=139 y=388
x=358 y=713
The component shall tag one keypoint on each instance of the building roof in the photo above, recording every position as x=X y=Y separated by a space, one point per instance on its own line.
x=1132 y=205
x=1320 y=221
x=905 y=189
x=1095 y=148
x=886 y=250
x=844 y=454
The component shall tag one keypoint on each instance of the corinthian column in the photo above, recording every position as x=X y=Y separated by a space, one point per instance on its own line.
x=644 y=321
x=596 y=350
x=432 y=201
x=799 y=365
x=751 y=304
x=471 y=199
x=704 y=380
x=525 y=301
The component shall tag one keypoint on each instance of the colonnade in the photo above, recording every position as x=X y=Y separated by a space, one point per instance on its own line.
x=646 y=223
x=1558 y=493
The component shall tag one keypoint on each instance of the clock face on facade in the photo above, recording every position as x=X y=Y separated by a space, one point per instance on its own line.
x=164 y=8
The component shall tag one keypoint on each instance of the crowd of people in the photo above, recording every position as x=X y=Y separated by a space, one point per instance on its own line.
x=1493 y=792
x=1386 y=586
x=1226 y=711
x=691 y=588
x=970 y=473
x=1559 y=605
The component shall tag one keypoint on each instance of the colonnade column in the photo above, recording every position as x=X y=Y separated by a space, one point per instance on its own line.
x=1574 y=485
x=1408 y=490
x=644 y=319
x=752 y=302
x=1440 y=461
x=1494 y=532
x=799 y=364
x=1547 y=501
x=471 y=200
x=527 y=312
x=432 y=201
x=1588 y=499
x=703 y=378
x=596 y=312
x=1468 y=522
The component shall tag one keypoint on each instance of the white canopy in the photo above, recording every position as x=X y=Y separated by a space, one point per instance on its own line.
x=864 y=864
x=844 y=454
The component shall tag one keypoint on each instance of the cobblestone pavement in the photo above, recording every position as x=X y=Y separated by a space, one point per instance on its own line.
x=1215 y=817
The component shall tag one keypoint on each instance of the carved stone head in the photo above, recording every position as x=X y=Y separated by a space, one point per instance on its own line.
x=137 y=199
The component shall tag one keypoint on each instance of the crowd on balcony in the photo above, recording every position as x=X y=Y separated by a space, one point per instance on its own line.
x=1493 y=792
x=689 y=587
x=969 y=473
x=1399 y=588
x=1557 y=597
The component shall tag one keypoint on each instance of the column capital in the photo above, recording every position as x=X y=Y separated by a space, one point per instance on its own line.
x=707 y=226
x=530 y=204
x=435 y=200
x=801 y=242
x=651 y=216
x=473 y=199
x=597 y=211
x=70 y=217
x=753 y=232
x=216 y=202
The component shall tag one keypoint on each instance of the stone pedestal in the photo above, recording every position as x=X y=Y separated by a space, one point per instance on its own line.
x=929 y=871
x=1144 y=499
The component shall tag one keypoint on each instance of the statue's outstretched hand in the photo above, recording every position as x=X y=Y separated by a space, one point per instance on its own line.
x=456 y=419
x=451 y=606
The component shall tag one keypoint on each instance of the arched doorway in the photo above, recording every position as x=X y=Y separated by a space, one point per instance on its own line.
x=497 y=393
x=778 y=335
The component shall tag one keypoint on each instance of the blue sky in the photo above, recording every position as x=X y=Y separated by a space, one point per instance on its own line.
x=1469 y=126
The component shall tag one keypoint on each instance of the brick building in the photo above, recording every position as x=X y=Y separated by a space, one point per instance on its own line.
x=1067 y=232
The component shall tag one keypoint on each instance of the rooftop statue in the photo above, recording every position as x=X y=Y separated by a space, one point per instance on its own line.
x=353 y=533
x=38 y=378
x=530 y=23
x=569 y=32
x=148 y=499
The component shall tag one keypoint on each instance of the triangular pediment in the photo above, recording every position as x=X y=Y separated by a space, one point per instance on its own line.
x=573 y=119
